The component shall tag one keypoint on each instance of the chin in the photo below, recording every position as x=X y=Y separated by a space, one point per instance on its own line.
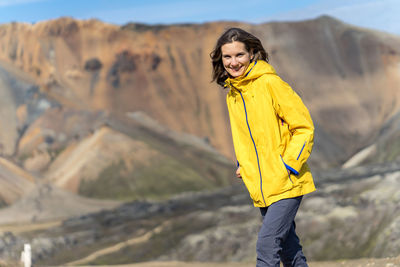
x=236 y=74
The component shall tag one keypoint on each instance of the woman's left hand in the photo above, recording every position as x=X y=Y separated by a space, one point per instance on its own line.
x=238 y=173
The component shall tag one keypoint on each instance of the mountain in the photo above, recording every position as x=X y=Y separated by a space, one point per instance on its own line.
x=97 y=66
x=81 y=149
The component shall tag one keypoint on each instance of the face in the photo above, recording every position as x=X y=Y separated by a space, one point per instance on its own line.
x=235 y=58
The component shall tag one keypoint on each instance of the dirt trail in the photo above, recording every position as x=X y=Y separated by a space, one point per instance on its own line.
x=118 y=246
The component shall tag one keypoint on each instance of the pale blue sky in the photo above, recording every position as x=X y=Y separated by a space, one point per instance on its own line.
x=375 y=14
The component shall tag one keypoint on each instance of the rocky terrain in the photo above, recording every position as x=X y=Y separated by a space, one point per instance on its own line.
x=115 y=147
x=385 y=262
x=356 y=216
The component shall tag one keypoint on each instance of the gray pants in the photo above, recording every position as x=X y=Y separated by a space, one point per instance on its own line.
x=277 y=239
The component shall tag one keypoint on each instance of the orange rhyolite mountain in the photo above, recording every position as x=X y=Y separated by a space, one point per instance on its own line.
x=348 y=77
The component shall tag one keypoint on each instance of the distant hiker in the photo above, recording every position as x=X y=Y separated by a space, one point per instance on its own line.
x=273 y=136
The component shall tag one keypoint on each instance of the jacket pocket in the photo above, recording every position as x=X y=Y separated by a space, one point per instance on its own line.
x=284 y=166
x=276 y=180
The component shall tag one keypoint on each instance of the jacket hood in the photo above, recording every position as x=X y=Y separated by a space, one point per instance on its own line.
x=253 y=71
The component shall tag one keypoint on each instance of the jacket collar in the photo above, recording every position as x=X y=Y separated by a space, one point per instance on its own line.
x=253 y=71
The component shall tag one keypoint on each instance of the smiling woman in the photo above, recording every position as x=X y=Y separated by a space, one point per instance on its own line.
x=272 y=135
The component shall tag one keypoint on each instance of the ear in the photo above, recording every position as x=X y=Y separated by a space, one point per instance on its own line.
x=251 y=56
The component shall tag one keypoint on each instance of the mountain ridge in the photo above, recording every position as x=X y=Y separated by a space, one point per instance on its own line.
x=151 y=69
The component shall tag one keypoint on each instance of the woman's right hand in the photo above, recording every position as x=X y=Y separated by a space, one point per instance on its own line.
x=238 y=173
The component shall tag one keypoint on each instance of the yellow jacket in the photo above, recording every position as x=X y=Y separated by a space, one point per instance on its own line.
x=272 y=134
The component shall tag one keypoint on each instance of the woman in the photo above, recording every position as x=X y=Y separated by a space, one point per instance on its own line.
x=273 y=136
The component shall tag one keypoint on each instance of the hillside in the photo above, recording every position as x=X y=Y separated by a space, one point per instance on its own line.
x=48 y=203
x=222 y=226
x=14 y=182
x=138 y=159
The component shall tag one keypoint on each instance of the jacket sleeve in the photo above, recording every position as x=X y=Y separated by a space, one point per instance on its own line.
x=291 y=109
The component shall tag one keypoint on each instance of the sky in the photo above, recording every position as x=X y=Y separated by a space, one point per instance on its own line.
x=375 y=14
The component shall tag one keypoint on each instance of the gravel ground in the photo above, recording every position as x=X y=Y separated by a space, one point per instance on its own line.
x=385 y=262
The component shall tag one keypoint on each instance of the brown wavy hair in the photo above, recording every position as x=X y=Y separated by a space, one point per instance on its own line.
x=252 y=44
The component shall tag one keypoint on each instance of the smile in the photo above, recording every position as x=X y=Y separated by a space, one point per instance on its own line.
x=237 y=69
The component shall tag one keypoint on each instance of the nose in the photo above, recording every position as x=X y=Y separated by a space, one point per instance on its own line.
x=234 y=61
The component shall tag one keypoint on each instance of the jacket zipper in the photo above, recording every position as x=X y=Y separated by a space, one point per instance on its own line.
x=301 y=150
x=255 y=148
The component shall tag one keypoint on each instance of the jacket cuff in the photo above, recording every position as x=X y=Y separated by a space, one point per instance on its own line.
x=291 y=169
